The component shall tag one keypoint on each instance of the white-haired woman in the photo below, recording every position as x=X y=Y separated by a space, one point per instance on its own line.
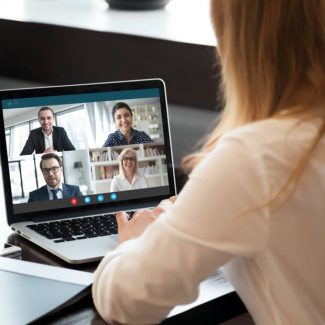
x=128 y=178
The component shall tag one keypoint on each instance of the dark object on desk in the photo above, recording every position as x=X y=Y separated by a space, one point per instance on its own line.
x=137 y=4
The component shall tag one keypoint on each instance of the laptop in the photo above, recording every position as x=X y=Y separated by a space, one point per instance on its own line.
x=79 y=225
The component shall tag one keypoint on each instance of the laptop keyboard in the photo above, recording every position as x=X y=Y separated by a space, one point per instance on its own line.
x=78 y=228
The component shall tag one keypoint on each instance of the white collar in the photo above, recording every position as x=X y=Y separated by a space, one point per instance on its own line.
x=49 y=134
x=60 y=187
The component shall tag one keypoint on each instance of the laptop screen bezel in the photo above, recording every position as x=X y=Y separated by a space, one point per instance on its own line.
x=104 y=207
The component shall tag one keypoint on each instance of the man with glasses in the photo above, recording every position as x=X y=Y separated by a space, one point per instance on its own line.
x=52 y=170
x=47 y=138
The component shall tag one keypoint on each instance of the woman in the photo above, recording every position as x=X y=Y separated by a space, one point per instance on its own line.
x=128 y=178
x=123 y=118
x=255 y=196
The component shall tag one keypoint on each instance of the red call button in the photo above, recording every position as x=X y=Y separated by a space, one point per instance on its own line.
x=74 y=201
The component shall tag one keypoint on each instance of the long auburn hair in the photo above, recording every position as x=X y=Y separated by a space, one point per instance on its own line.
x=268 y=50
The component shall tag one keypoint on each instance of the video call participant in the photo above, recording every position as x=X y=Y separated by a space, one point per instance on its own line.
x=123 y=118
x=52 y=170
x=47 y=138
x=128 y=179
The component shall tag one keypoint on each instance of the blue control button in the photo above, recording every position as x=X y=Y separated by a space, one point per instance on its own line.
x=100 y=198
x=87 y=199
x=113 y=196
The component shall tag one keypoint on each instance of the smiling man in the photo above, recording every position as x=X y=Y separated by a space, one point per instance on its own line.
x=52 y=170
x=47 y=138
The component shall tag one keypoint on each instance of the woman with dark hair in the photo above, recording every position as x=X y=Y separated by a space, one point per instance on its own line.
x=254 y=201
x=125 y=134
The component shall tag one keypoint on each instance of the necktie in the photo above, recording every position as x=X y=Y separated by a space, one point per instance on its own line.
x=54 y=192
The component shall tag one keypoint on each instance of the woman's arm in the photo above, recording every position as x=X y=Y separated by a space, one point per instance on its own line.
x=141 y=281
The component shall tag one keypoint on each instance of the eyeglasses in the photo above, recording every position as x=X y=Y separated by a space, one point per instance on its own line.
x=130 y=159
x=54 y=170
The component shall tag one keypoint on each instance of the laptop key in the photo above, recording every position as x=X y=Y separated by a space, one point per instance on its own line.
x=104 y=233
x=91 y=235
x=68 y=238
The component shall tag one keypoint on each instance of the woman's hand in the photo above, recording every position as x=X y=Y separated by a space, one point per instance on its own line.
x=133 y=228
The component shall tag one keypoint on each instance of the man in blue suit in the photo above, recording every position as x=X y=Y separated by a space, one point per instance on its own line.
x=47 y=138
x=52 y=169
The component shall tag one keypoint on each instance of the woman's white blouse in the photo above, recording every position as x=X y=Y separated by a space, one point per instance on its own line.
x=274 y=255
x=120 y=183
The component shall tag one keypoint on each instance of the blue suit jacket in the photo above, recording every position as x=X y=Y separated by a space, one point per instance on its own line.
x=41 y=194
x=36 y=141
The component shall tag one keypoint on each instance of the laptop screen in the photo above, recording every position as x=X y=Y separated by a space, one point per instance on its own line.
x=83 y=147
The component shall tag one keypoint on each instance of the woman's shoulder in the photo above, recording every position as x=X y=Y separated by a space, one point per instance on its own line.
x=275 y=141
x=142 y=179
x=141 y=134
x=273 y=131
x=113 y=139
x=113 y=134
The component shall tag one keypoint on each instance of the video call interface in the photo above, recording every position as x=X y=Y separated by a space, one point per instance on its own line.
x=85 y=149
